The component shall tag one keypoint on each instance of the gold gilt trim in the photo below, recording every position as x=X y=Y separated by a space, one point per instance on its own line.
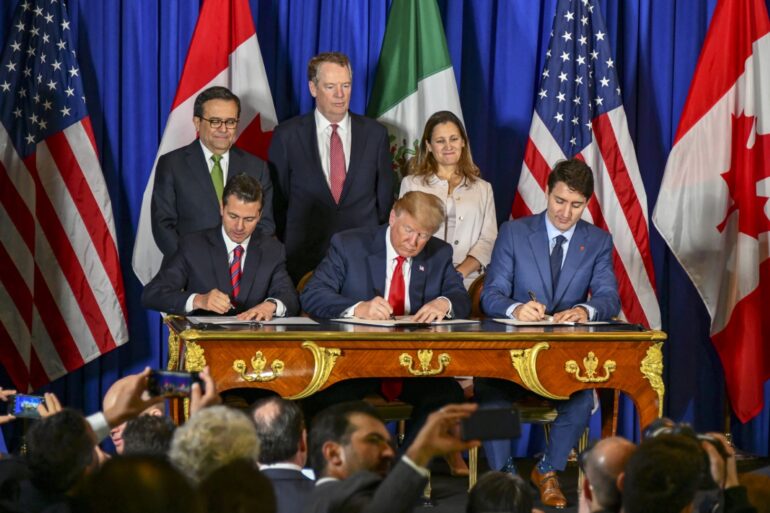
x=425 y=356
x=194 y=357
x=258 y=363
x=652 y=369
x=324 y=359
x=525 y=363
x=173 y=350
x=591 y=362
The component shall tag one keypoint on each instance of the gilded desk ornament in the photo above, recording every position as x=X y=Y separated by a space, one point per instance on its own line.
x=652 y=369
x=194 y=357
x=525 y=363
x=324 y=359
x=591 y=362
x=258 y=363
x=173 y=350
x=424 y=356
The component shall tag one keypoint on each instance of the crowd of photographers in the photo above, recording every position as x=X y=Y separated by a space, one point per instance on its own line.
x=224 y=460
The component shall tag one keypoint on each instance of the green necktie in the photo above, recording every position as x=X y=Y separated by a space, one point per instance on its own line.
x=217 y=176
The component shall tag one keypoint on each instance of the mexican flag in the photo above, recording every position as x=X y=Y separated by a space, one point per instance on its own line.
x=414 y=77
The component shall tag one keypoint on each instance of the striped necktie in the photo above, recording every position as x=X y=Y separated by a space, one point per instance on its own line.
x=235 y=270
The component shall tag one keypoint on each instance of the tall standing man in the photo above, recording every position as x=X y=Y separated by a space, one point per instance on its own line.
x=189 y=181
x=552 y=263
x=332 y=168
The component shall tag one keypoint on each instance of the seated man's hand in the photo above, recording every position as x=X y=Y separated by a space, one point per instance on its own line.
x=129 y=402
x=432 y=311
x=261 y=312
x=213 y=301
x=438 y=435
x=50 y=406
x=574 y=314
x=4 y=395
x=530 y=311
x=376 y=308
x=200 y=399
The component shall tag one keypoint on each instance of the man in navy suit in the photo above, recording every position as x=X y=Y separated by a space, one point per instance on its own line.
x=358 y=278
x=332 y=168
x=283 y=451
x=232 y=268
x=553 y=263
x=189 y=181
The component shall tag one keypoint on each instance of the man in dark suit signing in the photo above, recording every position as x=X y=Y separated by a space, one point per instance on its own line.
x=394 y=269
x=332 y=168
x=283 y=451
x=552 y=263
x=232 y=268
x=189 y=181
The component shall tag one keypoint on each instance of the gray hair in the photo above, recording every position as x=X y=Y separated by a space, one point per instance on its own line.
x=212 y=438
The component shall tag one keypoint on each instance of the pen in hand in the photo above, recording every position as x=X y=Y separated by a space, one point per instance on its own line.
x=378 y=293
x=533 y=298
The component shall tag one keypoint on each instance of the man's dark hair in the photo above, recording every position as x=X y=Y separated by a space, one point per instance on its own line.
x=140 y=484
x=149 y=435
x=279 y=428
x=244 y=187
x=214 y=93
x=59 y=449
x=500 y=491
x=575 y=174
x=333 y=425
x=238 y=487
x=663 y=475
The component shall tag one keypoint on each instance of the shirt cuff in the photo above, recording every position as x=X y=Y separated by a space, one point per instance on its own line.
x=188 y=306
x=591 y=311
x=280 y=308
x=424 y=472
x=98 y=423
x=350 y=312
x=509 y=311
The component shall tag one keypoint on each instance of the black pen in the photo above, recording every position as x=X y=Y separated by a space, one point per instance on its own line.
x=378 y=293
x=532 y=296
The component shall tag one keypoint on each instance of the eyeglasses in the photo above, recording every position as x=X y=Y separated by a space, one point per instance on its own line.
x=216 y=122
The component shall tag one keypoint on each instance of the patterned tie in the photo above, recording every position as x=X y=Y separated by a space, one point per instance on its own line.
x=336 y=164
x=556 y=258
x=235 y=270
x=217 y=177
x=391 y=387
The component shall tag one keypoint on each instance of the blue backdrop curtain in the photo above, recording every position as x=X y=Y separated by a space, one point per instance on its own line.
x=131 y=55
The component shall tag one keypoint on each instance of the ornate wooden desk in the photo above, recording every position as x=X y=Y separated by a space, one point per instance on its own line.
x=553 y=362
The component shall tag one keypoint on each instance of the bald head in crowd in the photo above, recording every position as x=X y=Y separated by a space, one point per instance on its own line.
x=603 y=466
x=117 y=389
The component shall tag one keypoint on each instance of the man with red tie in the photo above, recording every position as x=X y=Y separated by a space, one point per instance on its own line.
x=233 y=268
x=398 y=268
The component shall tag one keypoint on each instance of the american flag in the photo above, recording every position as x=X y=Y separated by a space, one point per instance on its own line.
x=62 y=300
x=579 y=112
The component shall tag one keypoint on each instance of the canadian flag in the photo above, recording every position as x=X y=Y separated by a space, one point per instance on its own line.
x=713 y=206
x=224 y=51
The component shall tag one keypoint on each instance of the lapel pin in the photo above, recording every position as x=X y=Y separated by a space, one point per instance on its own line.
x=421 y=268
x=582 y=248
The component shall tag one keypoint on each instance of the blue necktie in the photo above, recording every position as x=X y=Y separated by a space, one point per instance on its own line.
x=556 y=257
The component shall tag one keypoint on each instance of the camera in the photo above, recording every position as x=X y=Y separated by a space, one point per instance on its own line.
x=172 y=383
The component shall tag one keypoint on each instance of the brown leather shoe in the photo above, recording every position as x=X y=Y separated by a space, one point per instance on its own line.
x=548 y=485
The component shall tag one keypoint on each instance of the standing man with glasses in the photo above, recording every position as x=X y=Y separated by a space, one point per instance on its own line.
x=189 y=181
x=332 y=168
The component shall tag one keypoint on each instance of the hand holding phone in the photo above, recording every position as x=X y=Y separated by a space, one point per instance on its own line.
x=172 y=383
x=24 y=406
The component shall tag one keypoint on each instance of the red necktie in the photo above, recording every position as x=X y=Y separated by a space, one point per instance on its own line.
x=235 y=270
x=391 y=387
x=336 y=164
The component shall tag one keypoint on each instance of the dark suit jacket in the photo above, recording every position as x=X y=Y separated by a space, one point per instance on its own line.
x=305 y=212
x=184 y=199
x=354 y=270
x=200 y=265
x=366 y=492
x=292 y=488
x=521 y=263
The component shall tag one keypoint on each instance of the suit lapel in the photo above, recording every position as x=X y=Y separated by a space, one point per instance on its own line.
x=376 y=261
x=219 y=261
x=417 y=281
x=572 y=262
x=538 y=242
x=199 y=170
x=254 y=257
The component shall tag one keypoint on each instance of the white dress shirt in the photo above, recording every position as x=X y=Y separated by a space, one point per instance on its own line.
x=323 y=129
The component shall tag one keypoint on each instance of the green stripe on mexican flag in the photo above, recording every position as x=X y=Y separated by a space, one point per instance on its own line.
x=415 y=77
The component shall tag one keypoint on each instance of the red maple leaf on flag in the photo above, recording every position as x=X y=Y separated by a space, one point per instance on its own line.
x=748 y=166
x=254 y=140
